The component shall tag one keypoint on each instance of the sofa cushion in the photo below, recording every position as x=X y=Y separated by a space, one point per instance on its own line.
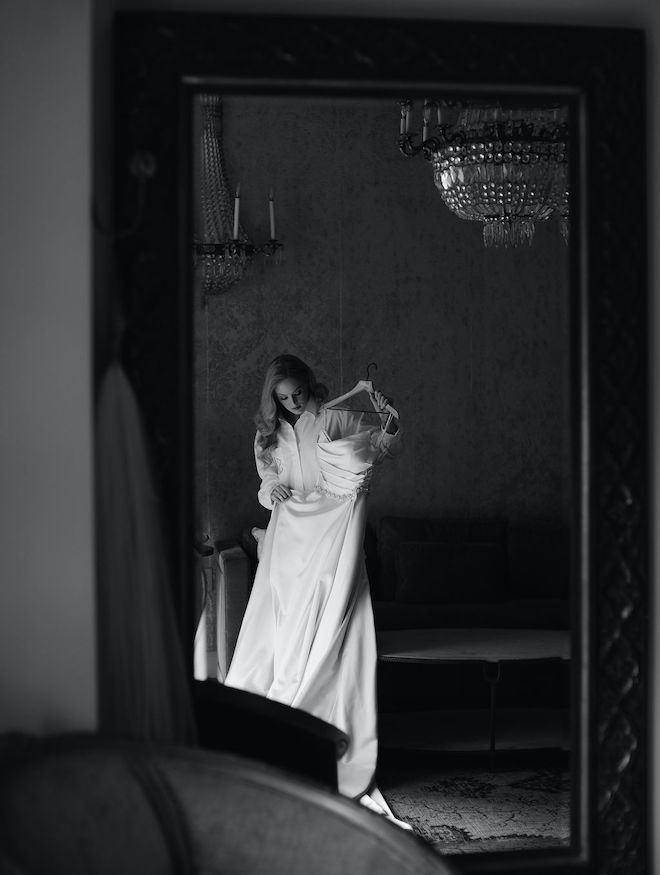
x=71 y=805
x=442 y=572
x=394 y=531
x=539 y=559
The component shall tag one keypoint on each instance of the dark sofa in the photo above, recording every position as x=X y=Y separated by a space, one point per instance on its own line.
x=449 y=572
x=438 y=573
x=85 y=804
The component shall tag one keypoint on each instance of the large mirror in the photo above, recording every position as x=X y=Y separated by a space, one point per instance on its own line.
x=504 y=361
x=472 y=341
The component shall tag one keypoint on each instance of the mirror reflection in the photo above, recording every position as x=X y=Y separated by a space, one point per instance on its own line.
x=402 y=575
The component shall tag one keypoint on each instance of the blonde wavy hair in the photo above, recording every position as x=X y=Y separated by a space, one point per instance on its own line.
x=267 y=418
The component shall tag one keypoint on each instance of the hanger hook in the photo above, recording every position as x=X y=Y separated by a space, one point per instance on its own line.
x=369 y=366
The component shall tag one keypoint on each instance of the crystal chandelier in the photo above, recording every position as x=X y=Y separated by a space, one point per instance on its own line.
x=222 y=250
x=504 y=167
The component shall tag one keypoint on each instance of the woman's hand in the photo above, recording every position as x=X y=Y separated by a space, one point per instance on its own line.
x=381 y=400
x=280 y=493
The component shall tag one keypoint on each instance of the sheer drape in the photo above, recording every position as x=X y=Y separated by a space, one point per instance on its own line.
x=144 y=691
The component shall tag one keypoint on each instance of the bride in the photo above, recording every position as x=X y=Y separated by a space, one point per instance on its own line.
x=307 y=637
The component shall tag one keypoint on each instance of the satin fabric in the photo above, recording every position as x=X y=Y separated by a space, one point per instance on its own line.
x=307 y=638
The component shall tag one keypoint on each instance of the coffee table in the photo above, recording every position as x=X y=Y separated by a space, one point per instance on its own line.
x=488 y=647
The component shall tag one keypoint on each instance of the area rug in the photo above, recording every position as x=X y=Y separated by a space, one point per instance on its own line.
x=462 y=811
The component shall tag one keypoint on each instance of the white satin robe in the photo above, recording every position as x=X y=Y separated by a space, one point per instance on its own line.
x=307 y=638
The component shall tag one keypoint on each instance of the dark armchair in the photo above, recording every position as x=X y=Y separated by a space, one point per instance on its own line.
x=85 y=805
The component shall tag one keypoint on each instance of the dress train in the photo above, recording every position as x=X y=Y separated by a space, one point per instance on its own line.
x=375 y=801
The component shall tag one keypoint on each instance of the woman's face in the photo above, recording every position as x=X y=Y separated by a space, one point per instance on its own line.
x=293 y=395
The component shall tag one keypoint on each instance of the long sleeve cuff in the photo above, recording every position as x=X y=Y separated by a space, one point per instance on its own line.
x=389 y=444
x=267 y=484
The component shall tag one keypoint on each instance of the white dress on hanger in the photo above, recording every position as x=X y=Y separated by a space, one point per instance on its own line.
x=308 y=638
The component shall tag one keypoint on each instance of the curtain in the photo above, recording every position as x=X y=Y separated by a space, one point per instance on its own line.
x=143 y=683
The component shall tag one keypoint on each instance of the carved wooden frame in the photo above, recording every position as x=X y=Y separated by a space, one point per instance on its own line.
x=601 y=74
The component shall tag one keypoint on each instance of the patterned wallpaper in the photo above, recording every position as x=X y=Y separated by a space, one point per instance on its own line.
x=471 y=343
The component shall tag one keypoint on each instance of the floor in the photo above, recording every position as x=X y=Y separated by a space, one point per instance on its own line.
x=437 y=768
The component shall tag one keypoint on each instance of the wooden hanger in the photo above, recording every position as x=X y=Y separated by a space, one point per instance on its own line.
x=362 y=386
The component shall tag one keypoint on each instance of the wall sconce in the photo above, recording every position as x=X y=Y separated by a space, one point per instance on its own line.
x=222 y=250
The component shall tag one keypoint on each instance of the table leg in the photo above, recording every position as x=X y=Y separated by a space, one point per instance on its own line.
x=492 y=673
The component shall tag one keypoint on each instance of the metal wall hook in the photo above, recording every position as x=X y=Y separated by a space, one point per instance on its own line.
x=143 y=167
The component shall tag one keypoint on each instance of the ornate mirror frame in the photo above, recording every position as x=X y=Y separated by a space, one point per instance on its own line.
x=600 y=73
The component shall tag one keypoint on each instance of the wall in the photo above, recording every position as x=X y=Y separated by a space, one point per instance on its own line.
x=472 y=343
x=47 y=623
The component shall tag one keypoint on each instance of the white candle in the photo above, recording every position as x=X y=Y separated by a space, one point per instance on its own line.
x=427 y=116
x=408 y=111
x=237 y=202
x=402 y=126
x=271 y=214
